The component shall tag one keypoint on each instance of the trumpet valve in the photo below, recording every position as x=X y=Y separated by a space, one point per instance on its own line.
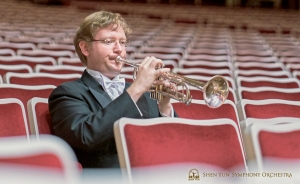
x=154 y=93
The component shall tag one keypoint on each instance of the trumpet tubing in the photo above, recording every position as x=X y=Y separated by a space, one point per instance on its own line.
x=215 y=91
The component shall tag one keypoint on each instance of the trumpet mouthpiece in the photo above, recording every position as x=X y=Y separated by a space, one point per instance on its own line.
x=119 y=59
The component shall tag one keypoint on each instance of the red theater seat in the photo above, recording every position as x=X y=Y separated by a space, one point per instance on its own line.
x=39 y=78
x=164 y=141
x=267 y=82
x=21 y=68
x=25 y=93
x=13 y=118
x=39 y=116
x=270 y=108
x=59 y=69
x=31 y=61
x=49 y=158
x=276 y=147
x=262 y=93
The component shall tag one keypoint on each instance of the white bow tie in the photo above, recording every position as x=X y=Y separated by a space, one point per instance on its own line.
x=118 y=84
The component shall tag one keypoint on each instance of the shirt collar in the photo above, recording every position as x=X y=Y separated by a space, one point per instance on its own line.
x=100 y=78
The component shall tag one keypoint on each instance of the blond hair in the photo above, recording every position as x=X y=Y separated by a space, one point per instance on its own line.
x=93 y=22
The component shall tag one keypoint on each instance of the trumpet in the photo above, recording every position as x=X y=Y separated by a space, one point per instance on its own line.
x=215 y=91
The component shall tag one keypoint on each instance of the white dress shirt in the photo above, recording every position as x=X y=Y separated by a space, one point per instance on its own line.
x=115 y=87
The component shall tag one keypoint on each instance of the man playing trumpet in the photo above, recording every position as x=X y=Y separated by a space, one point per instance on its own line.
x=83 y=111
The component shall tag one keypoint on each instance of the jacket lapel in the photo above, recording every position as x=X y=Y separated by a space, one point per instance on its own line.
x=104 y=99
x=96 y=89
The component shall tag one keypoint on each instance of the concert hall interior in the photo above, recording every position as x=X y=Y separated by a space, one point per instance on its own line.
x=251 y=136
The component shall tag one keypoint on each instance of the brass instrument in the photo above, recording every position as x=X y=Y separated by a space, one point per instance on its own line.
x=215 y=91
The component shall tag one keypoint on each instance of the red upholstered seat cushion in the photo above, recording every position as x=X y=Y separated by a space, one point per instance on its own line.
x=175 y=143
x=270 y=84
x=272 y=111
x=12 y=120
x=282 y=145
x=43 y=159
x=201 y=111
x=270 y=95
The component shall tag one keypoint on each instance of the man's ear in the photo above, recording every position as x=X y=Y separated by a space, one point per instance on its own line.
x=84 y=48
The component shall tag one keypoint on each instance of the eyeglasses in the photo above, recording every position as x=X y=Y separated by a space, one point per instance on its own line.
x=110 y=42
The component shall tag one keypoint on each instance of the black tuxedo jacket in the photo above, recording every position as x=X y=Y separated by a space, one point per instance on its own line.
x=83 y=115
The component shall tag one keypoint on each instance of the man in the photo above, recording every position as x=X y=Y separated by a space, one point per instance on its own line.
x=83 y=111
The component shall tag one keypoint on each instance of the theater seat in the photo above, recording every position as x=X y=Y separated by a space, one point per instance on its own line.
x=48 y=160
x=276 y=147
x=165 y=141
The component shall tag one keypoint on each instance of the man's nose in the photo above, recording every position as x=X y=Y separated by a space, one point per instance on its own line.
x=118 y=47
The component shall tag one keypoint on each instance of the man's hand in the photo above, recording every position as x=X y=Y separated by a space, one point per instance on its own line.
x=146 y=76
x=165 y=105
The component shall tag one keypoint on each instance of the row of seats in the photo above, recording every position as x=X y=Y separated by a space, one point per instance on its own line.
x=253 y=112
x=24 y=108
x=271 y=147
x=55 y=160
x=262 y=71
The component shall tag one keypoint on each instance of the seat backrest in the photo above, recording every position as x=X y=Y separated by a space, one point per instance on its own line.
x=293 y=67
x=161 y=50
x=206 y=65
x=31 y=61
x=198 y=109
x=45 y=53
x=243 y=45
x=203 y=72
x=218 y=45
x=13 y=118
x=7 y=52
x=49 y=155
x=262 y=93
x=205 y=57
x=262 y=73
x=270 y=108
x=165 y=43
x=17 y=46
x=296 y=74
x=26 y=39
x=25 y=93
x=56 y=47
x=159 y=141
x=268 y=82
x=209 y=51
x=259 y=66
x=39 y=116
x=38 y=78
x=244 y=59
x=288 y=53
x=21 y=68
x=59 y=69
x=279 y=142
x=205 y=79
x=290 y=60
x=69 y=61
x=253 y=52
x=173 y=57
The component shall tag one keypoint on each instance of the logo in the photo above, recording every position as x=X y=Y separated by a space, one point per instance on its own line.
x=194 y=175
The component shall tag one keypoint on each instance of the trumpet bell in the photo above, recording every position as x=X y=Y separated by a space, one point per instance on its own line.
x=216 y=91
